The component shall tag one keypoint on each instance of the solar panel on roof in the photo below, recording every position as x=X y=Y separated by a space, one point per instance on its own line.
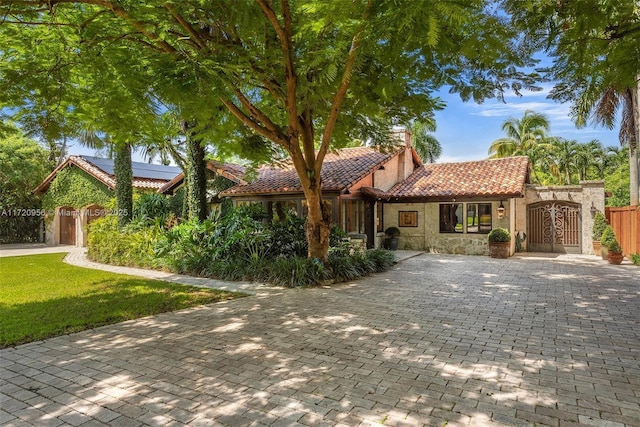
x=140 y=170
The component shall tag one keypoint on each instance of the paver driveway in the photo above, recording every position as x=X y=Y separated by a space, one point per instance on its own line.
x=439 y=340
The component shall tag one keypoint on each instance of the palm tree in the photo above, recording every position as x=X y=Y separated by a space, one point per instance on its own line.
x=522 y=135
x=565 y=155
x=426 y=145
x=591 y=156
x=602 y=108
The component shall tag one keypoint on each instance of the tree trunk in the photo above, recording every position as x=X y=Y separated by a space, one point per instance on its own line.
x=196 y=174
x=634 y=144
x=124 y=183
x=318 y=225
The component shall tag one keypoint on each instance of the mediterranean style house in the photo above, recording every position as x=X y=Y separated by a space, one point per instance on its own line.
x=442 y=207
x=447 y=207
x=81 y=186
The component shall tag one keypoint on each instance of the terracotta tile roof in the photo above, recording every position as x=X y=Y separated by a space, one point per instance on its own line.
x=231 y=171
x=145 y=176
x=341 y=169
x=505 y=177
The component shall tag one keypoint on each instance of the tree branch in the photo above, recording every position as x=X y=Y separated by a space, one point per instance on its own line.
x=285 y=35
x=276 y=137
x=180 y=20
x=342 y=89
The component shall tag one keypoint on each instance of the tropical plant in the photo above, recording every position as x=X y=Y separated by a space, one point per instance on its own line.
x=594 y=46
x=425 y=144
x=522 y=135
x=565 y=153
x=525 y=137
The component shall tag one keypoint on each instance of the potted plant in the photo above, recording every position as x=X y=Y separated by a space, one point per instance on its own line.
x=599 y=224
x=608 y=237
x=614 y=254
x=391 y=238
x=499 y=243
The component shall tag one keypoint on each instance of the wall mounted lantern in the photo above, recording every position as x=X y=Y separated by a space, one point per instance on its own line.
x=593 y=210
x=501 y=210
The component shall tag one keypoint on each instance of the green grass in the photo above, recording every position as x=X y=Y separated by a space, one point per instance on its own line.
x=42 y=297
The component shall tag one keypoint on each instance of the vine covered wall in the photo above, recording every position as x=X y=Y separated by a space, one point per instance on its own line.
x=74 y=187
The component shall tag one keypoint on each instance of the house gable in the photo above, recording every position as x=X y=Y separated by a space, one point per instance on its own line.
x=145 y=176
x=345 y=170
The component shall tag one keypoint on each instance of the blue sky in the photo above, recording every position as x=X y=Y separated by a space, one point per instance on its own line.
x=465 y=130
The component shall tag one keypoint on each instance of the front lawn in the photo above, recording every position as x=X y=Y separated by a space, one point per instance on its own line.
x=42 y=297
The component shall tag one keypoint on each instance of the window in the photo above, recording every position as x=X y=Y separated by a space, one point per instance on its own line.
x=478 y=218
x=451 y=218
x=379 y=217
x=354 y=216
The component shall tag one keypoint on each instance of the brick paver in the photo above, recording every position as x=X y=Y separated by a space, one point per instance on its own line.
x=439 y=340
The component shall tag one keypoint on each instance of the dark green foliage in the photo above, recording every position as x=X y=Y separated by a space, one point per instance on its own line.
x=151 y=205
x=635 y=258
x=124 y=183
x=196 y=176
x=392 y=232
x=235 y=244
x=499 y=235
x=599 y=225
x=614 y=246
x=23 y=165
x=608 y=236
x=74 y=187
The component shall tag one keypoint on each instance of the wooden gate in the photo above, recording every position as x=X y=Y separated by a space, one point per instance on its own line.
x=554 y=227
x=67 y=226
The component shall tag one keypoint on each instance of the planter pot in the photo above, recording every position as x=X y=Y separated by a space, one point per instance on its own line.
x=596 y=247
x=603 y=252
x=615 y=257
x=499 y=249
x=391 y=243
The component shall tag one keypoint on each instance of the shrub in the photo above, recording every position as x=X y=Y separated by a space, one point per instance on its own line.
x=392 y=232
x=499 y=235
x=233 y=244
x=635 y=258
x=614 y=246
x=608 y=236
x=599 y=225
x=110 y=244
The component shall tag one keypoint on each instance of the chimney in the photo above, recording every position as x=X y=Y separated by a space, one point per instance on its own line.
x=402 y=135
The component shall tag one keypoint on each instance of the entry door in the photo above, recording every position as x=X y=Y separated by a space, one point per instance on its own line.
x=67 y=226
x=554 y=227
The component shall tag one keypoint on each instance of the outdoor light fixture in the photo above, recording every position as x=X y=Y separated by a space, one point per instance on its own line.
x=501 y=210
x=593 y=210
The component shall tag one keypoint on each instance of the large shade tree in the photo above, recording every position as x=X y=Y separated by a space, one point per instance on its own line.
x=304 y=76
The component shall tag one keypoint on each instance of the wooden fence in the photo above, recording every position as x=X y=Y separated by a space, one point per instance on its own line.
x=626 y=224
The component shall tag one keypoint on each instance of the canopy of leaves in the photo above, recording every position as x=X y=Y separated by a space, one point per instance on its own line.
x=23 y=166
